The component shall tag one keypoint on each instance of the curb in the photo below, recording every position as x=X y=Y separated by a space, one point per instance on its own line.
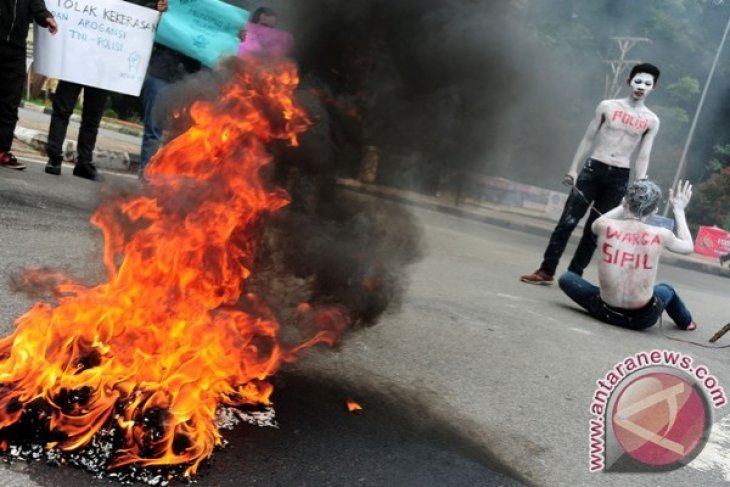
x=525 y=227
x=105 y=159
x=106 y=123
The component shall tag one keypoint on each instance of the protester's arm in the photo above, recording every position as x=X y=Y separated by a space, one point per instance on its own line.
x=642 y=158
x=600 y=222
x=42 y=16
x=682 y=242
x=587 y=141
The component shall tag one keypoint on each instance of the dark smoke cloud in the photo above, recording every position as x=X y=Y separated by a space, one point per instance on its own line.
x=329 y=248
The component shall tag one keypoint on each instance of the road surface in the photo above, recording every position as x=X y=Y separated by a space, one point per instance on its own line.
x=475 y=371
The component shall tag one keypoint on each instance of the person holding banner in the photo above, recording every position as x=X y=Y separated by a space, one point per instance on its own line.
x=168 y=65
x=64 y=100
x=15 y=18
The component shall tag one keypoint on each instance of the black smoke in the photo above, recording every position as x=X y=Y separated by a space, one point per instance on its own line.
x=329 y=248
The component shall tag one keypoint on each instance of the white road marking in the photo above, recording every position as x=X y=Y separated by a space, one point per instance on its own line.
x=515 y=298
x=714 y=457
x=580 y=330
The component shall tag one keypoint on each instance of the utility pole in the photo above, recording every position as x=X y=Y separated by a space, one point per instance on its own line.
x=615 y=79
x=690 y=135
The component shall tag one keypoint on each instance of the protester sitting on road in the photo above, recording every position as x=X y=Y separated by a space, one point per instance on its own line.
x=15 y=18
x=65 y=98
x=630 y=251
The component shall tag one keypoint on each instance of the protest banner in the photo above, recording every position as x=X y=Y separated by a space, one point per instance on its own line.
x=712 y=242
x=101 y=43
x=202 y=29
x=261 y=39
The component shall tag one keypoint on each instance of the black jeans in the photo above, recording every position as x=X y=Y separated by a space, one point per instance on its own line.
x=600 y=184
x=64 y=100
x=12 y=77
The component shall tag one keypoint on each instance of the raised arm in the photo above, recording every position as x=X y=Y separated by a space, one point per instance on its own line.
x=679 y=199
x=587 y=141
x=642 y=158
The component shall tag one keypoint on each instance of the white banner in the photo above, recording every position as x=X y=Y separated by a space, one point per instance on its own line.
x=100 y=43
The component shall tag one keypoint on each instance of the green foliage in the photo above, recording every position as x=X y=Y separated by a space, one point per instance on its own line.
x=684 y=89
x=711 y=202
x=671 y=115
x=720 y=161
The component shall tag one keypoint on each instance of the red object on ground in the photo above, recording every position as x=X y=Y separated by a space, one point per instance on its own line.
x=712 y=242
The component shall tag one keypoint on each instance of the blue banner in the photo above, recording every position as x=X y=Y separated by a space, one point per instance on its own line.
x=202 y=29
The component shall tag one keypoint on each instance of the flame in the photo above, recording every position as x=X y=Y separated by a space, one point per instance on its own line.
x=160 y=346
x=354 y=407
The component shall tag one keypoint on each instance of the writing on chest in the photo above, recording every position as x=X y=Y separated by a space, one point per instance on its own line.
x=621 y=118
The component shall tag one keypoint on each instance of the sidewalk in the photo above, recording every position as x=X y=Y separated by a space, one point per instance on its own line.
x=123 y=157
x=109 y=154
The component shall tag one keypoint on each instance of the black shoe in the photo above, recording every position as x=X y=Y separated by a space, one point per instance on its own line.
x=53 y=166
x=7 y=159
x=86 y=170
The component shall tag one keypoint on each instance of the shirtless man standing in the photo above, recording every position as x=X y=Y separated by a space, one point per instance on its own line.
x=618 y=128
x=630 y=251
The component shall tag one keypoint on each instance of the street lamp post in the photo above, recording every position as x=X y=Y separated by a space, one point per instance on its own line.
x=683 y=158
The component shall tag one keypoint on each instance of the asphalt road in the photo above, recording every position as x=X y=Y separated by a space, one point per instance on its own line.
x=475 y=371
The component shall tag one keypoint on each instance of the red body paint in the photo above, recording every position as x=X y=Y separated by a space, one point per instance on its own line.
x=630 y=120
x=623 y=258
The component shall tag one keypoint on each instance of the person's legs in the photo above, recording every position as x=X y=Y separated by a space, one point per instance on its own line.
x=12 y=76
x=609 y=191
x=674 y=306
x=579 y=290
x=576 y=206
x=589 y=297
x=152 y=135
x=64 y=100
x=94 y=103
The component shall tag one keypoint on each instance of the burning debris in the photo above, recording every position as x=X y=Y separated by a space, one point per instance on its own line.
x=354 y=407
x=136 y=376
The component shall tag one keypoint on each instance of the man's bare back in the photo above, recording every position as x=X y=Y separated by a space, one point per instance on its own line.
x=630 y=251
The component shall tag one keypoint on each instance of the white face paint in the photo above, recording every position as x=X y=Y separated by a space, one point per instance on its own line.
x=641 y=85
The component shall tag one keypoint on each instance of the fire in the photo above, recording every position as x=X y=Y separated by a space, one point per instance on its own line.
x=165 y=342
x=354 y=407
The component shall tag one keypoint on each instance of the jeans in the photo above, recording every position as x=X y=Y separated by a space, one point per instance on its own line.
x=589 y=297
x=600 y=184
x=12 y=76
x=64 y=100
x=152 y=134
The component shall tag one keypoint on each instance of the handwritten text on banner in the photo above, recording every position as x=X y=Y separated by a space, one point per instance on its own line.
x=100 y=43
x=202 y=29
